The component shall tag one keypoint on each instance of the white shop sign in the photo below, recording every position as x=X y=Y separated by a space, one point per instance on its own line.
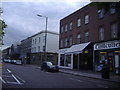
x=107 y=45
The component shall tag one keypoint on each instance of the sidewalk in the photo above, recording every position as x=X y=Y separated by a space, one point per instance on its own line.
x=91 y=74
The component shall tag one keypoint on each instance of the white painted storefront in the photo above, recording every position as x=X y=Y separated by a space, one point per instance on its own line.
x=65 y=57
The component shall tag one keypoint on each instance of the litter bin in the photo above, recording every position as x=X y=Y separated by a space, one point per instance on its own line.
x=105 y=72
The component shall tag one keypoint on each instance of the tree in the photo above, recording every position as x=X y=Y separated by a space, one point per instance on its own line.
x=2 y=26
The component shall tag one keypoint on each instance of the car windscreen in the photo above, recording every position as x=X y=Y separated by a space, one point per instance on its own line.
x=49 y=64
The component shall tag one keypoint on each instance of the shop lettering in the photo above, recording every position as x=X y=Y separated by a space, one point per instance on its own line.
x=107 y=45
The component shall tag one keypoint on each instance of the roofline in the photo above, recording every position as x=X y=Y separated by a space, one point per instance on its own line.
x=76 y=11
x=43 y=31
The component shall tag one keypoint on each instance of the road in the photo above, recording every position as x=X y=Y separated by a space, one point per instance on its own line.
x=30 y=76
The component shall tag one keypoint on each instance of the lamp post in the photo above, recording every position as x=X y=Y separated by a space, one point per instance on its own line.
x=46 y=21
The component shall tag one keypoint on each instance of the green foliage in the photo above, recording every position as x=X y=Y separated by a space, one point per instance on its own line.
x=2 y=26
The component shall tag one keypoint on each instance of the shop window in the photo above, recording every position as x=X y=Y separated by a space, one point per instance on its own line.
x=68 y=60
x=62 y=59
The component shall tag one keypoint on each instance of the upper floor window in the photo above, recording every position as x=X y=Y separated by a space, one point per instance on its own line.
x=66 y=28
x=38 y=48
x=86 y=36
x=114 y=30
x=39 y=39
x=61 y=43
x=101 y=33
x=35 y=41
x=86 y=19
x=43 y=39
x=71 y=26
x=62 y=28
x=70 y=41
x=112 y=9
x=78 y=22
x=66 y=42
x=100 y=13
x=78 y=39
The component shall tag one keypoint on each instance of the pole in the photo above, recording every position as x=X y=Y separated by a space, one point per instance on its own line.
x=46 y=37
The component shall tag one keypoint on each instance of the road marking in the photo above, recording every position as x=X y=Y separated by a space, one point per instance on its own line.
x=14 y=82
x=75 y=79
x=20 y=79
x=16 y=79
x=8 y=70
x=2 y=80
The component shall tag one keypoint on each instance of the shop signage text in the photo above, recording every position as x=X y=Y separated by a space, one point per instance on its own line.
x=107 y=45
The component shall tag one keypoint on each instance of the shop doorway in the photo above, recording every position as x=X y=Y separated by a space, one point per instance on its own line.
x=75 y=61
x=110 y=60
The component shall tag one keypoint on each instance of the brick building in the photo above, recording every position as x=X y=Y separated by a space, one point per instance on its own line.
x=80 y=31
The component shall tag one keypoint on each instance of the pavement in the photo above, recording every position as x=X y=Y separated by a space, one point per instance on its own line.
x=91 y=74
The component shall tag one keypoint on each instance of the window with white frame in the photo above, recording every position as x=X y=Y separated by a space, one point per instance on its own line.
x=86 y=36
x=71 y=26
x=78 y=22
x=35 y=41
x=114 y=30
x=86 y=19
x=101 y=33
x=38 y=48
x=62 y=28
x=66 y=28
x=61 y=43
x=100 y=13
x=70 y=41
x=43 y=39
x=78 y=38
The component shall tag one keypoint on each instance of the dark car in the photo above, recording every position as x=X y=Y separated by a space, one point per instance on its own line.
x=48 y=66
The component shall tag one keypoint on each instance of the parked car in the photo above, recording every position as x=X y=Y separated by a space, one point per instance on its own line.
x=13 y=61
x=18 y=62
x=7 y=60
x=48 y=66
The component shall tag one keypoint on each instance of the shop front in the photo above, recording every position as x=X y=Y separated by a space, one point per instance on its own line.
x=76 y=57
x=107 y=53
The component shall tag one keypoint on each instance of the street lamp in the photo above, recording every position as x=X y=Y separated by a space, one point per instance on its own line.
x=46 y=19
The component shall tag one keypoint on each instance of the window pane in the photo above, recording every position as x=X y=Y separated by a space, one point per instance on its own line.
x=86 y=19
x=86 y=36
x=114 y=30
x=101 y=33
x=71 y=26
x=78 y=22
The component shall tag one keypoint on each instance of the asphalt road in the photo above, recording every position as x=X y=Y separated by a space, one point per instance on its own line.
x=30 y=76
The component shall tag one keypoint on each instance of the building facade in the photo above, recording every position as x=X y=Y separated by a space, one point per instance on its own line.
x=38 y=47
x=26 y=50
x=6 y=53
x=83 y=29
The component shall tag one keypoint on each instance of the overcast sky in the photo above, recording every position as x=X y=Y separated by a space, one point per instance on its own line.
x=22 y=19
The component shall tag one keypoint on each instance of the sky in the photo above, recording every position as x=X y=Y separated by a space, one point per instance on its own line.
x=22 y=20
